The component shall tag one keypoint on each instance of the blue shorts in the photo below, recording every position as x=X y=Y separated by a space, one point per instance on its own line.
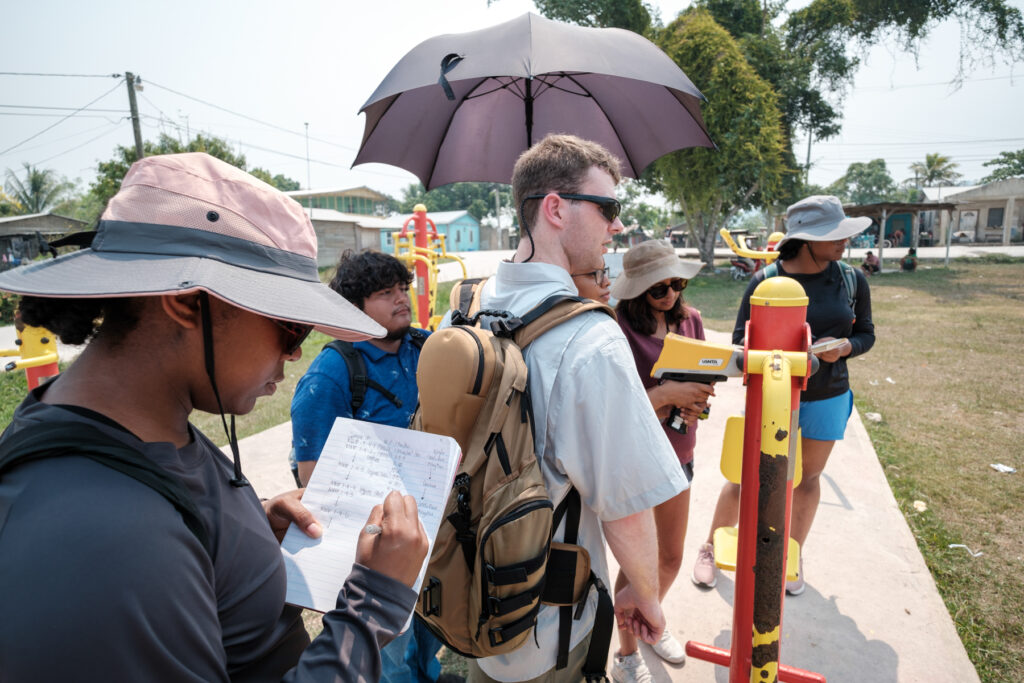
x=825 y=420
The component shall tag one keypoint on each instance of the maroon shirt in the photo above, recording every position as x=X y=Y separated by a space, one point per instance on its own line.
x=646 y=350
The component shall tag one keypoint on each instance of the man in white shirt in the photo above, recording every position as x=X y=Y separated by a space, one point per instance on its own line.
x=595 y=427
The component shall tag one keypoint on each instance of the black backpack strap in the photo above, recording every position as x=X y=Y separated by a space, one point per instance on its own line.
x=358 y=380
x=417 y=337
x=62 y=439
x=604 y=620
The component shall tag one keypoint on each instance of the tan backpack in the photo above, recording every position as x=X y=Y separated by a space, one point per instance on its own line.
x=493 y=562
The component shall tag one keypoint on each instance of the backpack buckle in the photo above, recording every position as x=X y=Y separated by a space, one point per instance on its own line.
x=432 y=598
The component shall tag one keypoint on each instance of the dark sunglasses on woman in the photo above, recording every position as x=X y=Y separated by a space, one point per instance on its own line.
x=292 y=335
x=659 y=290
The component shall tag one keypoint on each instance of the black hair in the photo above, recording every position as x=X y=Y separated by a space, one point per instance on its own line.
x=76 y=321
x=790 y=248
x=360 y=274
x=637 y=313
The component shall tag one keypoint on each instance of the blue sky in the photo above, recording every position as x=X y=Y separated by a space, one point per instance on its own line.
x=316 y=62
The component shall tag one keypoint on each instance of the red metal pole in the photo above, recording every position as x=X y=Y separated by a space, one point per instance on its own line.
x=422 y=274
x=777 y=322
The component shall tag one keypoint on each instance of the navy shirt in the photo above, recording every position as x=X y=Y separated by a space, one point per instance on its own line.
x=829 y=315
x=324 y=394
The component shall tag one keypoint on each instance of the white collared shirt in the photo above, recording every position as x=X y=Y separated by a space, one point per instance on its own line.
x=595 y=430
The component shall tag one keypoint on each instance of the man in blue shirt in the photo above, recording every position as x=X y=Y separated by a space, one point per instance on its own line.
x=384 y=392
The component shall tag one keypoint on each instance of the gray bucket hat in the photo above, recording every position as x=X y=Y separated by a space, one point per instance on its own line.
x=647 y=264
x=189 y=222
x=820 y=219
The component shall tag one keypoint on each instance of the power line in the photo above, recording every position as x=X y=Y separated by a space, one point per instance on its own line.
x=923 y=142
x=72 y=149
x=57 y=123
x=885 y=88
x=22 y=73
x=173 y=124
x=40 y=106
x=248 y=118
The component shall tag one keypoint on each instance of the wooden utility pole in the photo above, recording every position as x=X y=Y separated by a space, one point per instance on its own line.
x=130 y=79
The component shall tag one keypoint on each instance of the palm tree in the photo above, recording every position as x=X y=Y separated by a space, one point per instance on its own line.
x=936 y=170
x=39 y=191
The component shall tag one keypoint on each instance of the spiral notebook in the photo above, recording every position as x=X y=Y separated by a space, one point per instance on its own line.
x=360 y=463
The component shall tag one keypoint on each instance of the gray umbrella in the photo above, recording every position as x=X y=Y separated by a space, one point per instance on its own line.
x=464 y=106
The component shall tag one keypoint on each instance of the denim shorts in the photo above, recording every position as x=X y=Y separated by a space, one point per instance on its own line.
x=825 y=420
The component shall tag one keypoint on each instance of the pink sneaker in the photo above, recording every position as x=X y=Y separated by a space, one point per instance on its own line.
x=704 y=568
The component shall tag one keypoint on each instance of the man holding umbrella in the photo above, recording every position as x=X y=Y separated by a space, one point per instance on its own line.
x=564 y=187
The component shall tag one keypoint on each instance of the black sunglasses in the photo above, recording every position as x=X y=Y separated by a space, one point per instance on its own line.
x=292 y=335
x=599 y=275
x=659 y=290
x=609 y=206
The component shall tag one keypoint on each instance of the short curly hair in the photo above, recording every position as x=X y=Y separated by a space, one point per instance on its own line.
x=360 y=274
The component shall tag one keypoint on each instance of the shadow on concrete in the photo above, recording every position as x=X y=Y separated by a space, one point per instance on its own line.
x=816 y=637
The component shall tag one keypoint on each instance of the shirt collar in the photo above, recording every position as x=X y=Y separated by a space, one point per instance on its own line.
x=375 y=353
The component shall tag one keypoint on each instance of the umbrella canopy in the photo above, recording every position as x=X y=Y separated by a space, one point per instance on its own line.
x=463 y=107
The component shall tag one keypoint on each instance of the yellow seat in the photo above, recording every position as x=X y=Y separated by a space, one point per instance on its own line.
x=732 y=452
x=725 y=552
x=732 y=468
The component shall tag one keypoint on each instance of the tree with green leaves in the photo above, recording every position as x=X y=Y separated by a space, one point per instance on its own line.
x=476 y=198
x=40 y=190
x=1007 y=165
x=280 y=181
x=742 y=114
x=8 y=207
x=632 y=15
x=869 y=183
x=936 y=169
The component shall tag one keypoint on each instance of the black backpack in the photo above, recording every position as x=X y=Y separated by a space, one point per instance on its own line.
x=358 y=380
x=62 y=439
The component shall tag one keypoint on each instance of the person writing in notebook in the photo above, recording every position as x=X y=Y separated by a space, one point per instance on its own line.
x=132 y=548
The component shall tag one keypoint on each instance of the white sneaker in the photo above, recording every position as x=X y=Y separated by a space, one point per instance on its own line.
x=669 y=649
x=631 y=669
x=704 y=568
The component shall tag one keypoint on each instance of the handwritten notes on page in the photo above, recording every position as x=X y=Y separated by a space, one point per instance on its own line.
x=360 y=464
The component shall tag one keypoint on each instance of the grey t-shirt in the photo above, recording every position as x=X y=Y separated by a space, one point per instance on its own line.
x=100 y=579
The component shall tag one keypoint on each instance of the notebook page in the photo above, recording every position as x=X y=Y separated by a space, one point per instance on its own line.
x=360 y=464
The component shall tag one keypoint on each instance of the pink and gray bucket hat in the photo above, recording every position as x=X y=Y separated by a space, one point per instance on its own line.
x=189 y=222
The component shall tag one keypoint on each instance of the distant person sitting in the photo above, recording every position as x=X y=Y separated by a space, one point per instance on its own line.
x=909 y=262
x=871 y=264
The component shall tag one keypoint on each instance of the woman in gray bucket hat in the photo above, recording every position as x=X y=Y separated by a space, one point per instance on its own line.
x=839 y=314
x=133 y=549
x=650 y=305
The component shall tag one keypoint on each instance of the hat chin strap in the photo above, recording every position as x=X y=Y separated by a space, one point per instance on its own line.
x=239 y=479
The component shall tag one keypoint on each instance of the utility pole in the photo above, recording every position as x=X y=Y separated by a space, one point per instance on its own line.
x=309 y=182
x=130 y=79
x=497 y=217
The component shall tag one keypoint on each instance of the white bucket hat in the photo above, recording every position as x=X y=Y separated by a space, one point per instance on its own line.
x=820 y=219
x=189 y=222
x=647 y=264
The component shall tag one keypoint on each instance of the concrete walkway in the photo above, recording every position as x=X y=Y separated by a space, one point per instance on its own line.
x=871 y=612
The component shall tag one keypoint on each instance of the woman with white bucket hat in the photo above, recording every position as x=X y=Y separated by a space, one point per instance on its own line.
x=133 y=550
x=650 y=306
x=838 y=311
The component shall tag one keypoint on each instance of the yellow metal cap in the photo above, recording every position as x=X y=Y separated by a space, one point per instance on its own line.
x=779 y=292
x=419 y=207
